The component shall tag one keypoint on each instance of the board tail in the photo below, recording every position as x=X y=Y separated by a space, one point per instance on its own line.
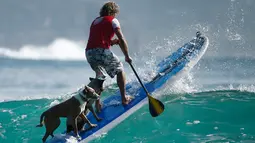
x=41 y=120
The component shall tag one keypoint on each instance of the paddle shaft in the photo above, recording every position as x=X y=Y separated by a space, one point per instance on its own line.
x=139 y=79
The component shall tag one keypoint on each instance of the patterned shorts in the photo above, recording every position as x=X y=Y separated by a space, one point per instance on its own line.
x=103 y=61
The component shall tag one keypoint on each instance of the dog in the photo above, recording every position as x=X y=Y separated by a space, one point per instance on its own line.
x=71 y=109
x=97 y=85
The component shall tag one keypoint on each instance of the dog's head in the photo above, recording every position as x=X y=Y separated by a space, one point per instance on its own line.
x=93 y=89
x=88 y=93
x=97 y=85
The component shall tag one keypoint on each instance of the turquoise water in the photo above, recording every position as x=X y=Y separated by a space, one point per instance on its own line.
x=214 y=102
x=214 y=116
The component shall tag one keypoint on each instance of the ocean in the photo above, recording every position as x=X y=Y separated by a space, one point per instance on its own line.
x=42 y=62
x=214 y=102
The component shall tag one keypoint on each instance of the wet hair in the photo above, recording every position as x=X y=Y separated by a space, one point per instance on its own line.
x=109 y=9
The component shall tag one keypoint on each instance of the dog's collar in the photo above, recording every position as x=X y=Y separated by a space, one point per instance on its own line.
x=82 y=95
x=83 y=98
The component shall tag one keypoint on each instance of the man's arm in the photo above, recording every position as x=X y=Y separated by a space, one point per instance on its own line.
x=123 y=44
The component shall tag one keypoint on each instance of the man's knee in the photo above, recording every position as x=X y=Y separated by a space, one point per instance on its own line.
x=120 y=73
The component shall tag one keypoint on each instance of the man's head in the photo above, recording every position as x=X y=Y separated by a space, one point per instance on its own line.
x=109 y=9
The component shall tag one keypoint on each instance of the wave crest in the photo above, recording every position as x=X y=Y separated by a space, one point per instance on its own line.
x=60 y=49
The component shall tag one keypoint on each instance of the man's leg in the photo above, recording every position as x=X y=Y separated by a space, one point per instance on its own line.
x=121 y=81
x=113 y=66
x=94 y=62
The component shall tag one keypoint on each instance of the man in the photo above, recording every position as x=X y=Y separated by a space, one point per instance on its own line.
x=98 y=52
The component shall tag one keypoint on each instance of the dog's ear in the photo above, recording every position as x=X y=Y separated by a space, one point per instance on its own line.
x=101 y=80
x=91 y=78
x=85 y=90
x=88 y=89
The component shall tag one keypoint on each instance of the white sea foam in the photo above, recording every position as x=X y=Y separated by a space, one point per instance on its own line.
x=60 y=49
x=182 y=82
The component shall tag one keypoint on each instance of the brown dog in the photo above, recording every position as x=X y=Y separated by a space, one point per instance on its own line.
x=97 y=85
x=71 y=109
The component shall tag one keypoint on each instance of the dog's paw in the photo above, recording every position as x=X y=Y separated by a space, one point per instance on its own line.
x=78 y=138
x=99 y=119
x=93 y=125
x=40 y=125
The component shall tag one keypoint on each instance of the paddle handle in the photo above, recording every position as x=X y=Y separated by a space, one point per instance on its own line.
x=139 y=78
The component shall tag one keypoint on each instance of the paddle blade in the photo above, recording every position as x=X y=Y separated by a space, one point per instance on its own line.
x=156 y=107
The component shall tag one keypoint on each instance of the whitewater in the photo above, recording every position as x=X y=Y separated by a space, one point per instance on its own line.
x=59 y=49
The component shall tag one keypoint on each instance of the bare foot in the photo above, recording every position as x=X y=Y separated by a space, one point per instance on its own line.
x=127 y=100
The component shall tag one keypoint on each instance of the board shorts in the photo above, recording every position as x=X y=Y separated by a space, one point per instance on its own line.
x=104 y=61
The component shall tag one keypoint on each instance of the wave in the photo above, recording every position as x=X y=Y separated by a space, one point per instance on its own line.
x=59 y=49
x=248 y=90
x=187 y=115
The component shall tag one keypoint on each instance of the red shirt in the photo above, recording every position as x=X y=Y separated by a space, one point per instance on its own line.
x=101 y=32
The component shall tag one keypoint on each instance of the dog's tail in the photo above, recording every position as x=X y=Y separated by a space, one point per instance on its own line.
x=41 y=120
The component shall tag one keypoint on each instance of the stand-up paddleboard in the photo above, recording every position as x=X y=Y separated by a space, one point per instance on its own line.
x=113 y=112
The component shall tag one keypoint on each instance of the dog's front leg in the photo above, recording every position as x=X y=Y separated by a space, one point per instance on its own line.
x=74 y=124
x=86 y=120
x=94 y=113
x=98 y=106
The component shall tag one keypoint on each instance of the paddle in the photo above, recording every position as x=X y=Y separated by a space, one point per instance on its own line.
x=156 y=107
